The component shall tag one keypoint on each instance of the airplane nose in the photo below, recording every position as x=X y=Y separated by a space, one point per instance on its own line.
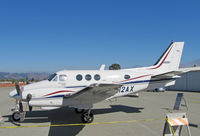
x=13 y=94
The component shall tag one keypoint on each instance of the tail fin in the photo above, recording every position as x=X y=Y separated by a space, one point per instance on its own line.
x=170 y=60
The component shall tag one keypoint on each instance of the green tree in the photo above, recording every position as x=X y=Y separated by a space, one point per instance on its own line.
x=115 y=67
x=32 y=80
x=22 y=80
x=2 y=80
x=13 y=80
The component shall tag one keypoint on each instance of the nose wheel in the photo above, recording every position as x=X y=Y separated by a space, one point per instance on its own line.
x=18 y=112
x=16 y=116
x=87 y=117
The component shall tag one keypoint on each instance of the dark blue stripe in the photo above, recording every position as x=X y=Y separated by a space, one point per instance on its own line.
x=134 y=82
x=55 y=96
x=75 y=86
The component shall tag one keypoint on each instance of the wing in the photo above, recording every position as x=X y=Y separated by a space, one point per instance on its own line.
x=85 y=98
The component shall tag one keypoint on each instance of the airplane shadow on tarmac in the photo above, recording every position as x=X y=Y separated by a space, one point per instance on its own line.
x=68 y=116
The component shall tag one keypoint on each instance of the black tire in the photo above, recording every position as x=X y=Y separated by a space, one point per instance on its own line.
x=85 y=119
x=16 y=116
x=79 y=110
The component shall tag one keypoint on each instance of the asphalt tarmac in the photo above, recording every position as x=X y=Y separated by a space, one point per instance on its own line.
x=125 y=116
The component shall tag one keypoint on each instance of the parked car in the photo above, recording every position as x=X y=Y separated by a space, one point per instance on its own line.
x=161 y=89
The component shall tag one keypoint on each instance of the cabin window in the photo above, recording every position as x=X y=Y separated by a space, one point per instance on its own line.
x=62 y=77
x=127 y=77
x=97 y=77
x=88 y=77
x=79 y=77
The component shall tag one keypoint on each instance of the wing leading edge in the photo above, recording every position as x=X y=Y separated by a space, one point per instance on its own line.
x=90 y=95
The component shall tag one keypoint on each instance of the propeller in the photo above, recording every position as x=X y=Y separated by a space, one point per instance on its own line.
x=19 y=92
x=28 y=98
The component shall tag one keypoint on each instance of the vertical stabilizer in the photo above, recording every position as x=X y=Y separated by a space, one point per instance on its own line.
x=170 y=60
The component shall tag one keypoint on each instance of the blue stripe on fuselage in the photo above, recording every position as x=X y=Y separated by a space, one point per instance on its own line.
x=55 y=96
x=76 y=86
x=134 y=82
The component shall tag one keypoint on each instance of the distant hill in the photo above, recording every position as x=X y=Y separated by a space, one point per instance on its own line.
x=18 y=76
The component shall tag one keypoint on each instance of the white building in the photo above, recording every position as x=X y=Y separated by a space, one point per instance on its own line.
x=189 y=81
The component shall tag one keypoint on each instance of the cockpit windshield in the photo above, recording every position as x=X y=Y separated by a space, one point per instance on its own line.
x=52 y=76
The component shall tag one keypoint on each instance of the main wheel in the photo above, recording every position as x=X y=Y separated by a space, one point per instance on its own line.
x=79 y=110
x=16 y=116
x=87 y=118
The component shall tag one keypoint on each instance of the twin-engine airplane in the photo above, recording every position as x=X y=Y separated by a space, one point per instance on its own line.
x=83 y=88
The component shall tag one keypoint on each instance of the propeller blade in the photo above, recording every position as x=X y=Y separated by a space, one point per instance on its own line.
x=30 y=108
x=20 y=106
x=28 y=98
x=18 y=88
x=19 y=92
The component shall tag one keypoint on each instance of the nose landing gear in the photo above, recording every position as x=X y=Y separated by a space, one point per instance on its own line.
x=18 y=113
x=16 y=116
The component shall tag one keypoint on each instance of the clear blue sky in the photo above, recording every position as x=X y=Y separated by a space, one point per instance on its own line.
x=47 y=36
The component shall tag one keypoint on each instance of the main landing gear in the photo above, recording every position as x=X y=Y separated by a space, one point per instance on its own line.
x=87 y=116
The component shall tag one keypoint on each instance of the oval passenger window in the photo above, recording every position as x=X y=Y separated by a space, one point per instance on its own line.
x=127 y=77
x=97 y=77
x=79 y=77
x=88 y=77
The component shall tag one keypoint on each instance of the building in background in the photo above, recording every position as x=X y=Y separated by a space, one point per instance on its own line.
x=189 y=81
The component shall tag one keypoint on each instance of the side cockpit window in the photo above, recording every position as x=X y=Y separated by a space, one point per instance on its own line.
x=62 y=77
x=53 y=76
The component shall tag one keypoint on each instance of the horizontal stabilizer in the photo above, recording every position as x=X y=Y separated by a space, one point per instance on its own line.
x=190 y=69
x=172 y=74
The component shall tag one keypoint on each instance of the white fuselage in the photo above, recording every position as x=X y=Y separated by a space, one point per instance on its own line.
x=50 y=93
